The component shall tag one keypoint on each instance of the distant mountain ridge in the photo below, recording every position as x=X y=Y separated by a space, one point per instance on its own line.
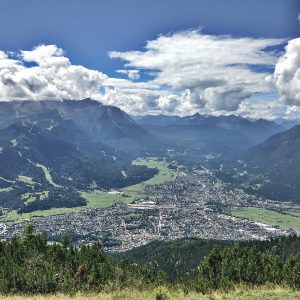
x=199 y=135
x=99 y=121
x=256 y=130
x=156 y=119
x=287 y=123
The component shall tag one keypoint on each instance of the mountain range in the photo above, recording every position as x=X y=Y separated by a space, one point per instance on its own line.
x=199 y=135
x=63 y=147
x=53 y=146
x=255 y=131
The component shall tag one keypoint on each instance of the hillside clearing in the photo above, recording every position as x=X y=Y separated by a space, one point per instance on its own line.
x=47 y=175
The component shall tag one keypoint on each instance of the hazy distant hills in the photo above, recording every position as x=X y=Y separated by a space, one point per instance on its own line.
x=156 y=119
x=287 y=124
x=202 y=134
x=90 y=121
x=253 y=131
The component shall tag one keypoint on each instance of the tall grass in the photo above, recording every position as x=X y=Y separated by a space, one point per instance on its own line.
x=240 y=293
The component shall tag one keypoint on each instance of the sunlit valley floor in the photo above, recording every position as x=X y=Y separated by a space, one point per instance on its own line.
x=171 y=205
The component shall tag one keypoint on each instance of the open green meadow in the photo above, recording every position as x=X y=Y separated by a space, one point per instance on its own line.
x=14 y=217
x=26 y=179
x=285 y=220
x=101 y=199
x=275 y=293
x=164 y=174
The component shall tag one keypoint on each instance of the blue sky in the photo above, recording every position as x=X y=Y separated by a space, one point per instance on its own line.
x=128 y=43
x=88 y=29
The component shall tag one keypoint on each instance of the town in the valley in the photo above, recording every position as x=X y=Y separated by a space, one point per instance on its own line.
x=195 y=204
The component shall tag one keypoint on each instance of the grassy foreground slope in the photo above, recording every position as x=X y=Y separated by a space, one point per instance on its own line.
x=264 y=293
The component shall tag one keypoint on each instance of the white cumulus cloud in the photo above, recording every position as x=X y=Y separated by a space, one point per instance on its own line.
x=287 y=74
x=186 y=72
x=215 y=73
x=132 y=74
x=52 y=76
